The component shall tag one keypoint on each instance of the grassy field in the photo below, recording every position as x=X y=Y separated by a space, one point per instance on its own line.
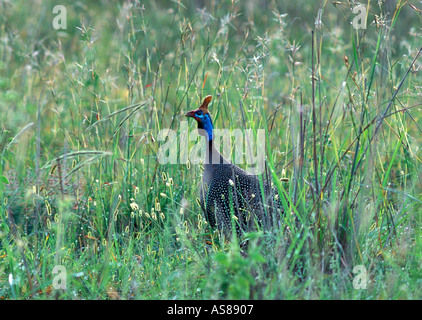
x=87 y=211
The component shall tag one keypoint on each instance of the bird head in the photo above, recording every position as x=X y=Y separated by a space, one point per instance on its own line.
x=203 y=118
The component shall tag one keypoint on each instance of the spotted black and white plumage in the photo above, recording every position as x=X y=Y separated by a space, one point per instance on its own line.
x=230 y=196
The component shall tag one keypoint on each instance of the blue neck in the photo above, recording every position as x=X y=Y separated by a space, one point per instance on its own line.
x=207 y=125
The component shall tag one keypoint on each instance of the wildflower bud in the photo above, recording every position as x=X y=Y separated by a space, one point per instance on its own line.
x=134 y=206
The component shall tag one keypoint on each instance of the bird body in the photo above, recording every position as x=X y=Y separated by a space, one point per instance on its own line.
x=230 y=196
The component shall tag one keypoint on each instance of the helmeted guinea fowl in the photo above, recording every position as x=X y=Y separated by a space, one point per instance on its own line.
x=229 y=195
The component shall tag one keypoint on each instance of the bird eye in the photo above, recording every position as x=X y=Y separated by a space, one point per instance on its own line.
x=198 y=113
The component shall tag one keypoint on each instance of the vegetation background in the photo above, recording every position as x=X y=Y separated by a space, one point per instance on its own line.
x=81 y=187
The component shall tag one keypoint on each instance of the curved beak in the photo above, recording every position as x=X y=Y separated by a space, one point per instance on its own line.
x=190 y=114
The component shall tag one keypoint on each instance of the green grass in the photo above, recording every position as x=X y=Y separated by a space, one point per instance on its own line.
x=81 y=110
